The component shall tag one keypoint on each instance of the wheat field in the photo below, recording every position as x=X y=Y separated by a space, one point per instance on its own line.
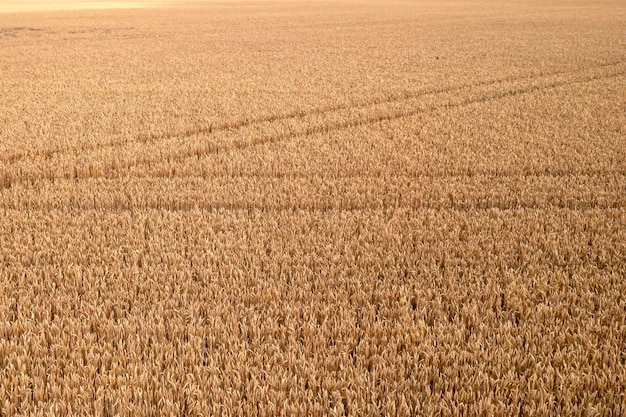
x=278 y=208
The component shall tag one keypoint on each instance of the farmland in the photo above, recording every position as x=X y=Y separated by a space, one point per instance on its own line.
x=313 y=208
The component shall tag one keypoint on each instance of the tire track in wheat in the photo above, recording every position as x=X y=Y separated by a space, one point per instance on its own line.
x=601 y=190
x=217 y=207
x=325 y=124
x=242 y=123
x=325 y=128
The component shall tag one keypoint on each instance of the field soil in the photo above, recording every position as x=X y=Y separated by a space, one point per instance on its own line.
x=313 y=208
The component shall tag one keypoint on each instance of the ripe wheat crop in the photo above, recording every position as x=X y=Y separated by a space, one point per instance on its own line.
x=312 y=208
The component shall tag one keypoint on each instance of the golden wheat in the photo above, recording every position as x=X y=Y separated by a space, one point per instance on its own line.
x=285 y=208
